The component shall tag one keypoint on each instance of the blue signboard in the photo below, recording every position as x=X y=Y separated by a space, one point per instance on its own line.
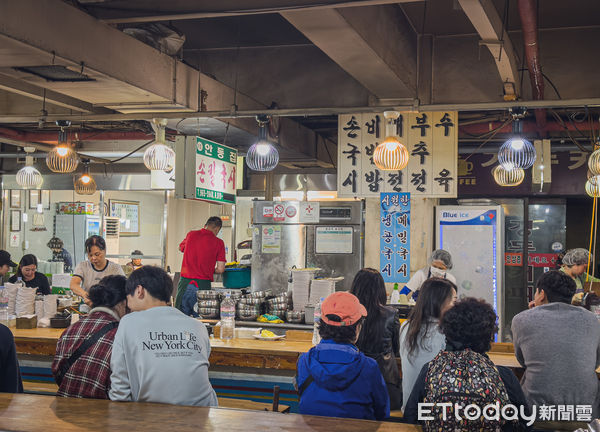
x=394 y=233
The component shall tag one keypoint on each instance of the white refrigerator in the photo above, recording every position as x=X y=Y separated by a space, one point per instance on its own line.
x=474 y=237
x=74 y=230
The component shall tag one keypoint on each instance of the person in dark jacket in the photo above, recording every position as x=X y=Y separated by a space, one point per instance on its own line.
x=334 y=378
x=469 y=327
x=32 y=278
x=379 y=337
x=10 y=376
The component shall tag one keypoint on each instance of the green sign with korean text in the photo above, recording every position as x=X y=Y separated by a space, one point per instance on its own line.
x=215 y=171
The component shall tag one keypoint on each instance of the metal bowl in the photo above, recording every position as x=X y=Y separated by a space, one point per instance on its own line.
x=209 y=304
x=279 y=312
x=247 y=315
x=251 y=301
x=260 y=294
x=276 y=303
x=285 y=297
x=208 y=313
x=294 y=317
x=207 y=295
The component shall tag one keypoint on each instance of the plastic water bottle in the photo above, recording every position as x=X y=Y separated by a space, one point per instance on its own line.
x=3 y=306
x=395 y=297
x=20 y=282
x=316 y=337
x=227 y=318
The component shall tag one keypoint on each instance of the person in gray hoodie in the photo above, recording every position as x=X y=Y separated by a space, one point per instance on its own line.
x=558 y=344
x=159 y=354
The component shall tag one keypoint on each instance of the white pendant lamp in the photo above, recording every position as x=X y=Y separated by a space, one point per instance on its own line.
x=159 y=156
x=517 y=152
x=29 y=177
x=262 y=155
x=391 y=154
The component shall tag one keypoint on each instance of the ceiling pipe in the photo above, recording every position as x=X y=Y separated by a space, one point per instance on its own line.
x=528 y=14
x=51 y=137
x=528 y=126
x=305 y=112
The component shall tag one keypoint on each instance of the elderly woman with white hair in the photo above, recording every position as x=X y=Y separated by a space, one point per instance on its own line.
x=574 y=264
x=440 y=262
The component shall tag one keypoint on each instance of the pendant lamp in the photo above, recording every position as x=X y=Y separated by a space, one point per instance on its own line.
x=262 y=155
x=62 y=158
x=508 y=178
x=159 y=156
x=391 y=154
x=517 y=152
x=592 y=186
x=29 y=177
x=594 y=162
x=85 y=184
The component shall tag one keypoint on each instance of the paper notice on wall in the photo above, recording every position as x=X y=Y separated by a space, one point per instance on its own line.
x=334 y=240
x=271 y=239
x=15 y=239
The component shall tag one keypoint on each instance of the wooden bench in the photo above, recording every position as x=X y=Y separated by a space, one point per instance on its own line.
x=50 y=389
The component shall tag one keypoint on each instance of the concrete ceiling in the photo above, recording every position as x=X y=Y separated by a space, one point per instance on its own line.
x=307 y=59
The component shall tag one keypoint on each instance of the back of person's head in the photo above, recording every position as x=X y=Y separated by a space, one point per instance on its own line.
x=557 y=286
x=341 y=315
x=109 y=292
x=577 y=256
x=214 y=222
x=433 y=295
x=443 y=256
x=95 y=240
x=155 y=280
x=26 y=260
x=470 y=323
x=368 y=286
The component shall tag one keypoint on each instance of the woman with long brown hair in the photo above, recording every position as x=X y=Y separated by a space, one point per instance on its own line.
x=420 y=336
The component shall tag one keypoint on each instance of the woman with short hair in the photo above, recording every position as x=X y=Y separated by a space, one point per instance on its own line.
x=89 y=273
x=85 y=373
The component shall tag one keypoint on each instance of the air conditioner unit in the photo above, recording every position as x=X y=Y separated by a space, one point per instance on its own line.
x=111 y=235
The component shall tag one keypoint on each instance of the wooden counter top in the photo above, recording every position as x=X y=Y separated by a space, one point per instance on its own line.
x=47 y=413
x=279 y=354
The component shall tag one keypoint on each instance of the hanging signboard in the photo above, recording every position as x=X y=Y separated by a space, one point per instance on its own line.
x=431 y=139
x=215 y=171
x=394 y=261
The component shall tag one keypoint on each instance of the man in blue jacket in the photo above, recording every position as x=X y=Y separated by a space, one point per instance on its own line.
x=334 y=379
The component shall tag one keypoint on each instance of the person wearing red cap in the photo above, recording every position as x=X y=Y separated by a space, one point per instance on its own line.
x=334 y=378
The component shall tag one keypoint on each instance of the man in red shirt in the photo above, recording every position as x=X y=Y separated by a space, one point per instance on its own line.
x=203 y=255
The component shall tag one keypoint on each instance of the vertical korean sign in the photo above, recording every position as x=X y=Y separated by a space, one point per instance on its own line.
x=431 y=139
x=394 y=261
x=215 y=171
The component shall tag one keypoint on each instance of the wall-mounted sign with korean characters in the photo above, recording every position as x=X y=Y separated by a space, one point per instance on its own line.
x=431 y=139
x=215 y=171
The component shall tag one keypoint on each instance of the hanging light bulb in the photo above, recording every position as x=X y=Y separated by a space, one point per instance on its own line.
x=391 y=154
x=85 y=184
x=594 y=162
x=262 y=155
x=159 y=156
x=62 y=158
x=29 y=177
x=517 y=151
x=511 y=177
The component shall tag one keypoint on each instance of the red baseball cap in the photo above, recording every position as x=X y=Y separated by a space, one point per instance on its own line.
x=344 y=305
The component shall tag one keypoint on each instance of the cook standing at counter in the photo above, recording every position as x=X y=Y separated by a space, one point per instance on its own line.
x=88 y=273
x=203 y=255
x=440 y=262
x=27 y=271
